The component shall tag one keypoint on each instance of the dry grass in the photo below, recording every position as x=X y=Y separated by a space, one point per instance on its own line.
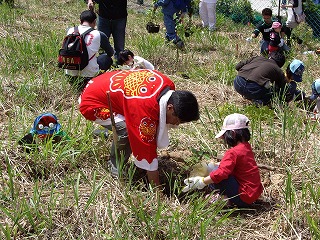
x=66 y=191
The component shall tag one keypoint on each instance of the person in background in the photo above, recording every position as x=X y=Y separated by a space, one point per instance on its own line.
x=94 y=41
x=145 y=105
x=260 y=79
x=237 y=177
x=294 y=72
x=172 y=9
x=207 y=11
x=127 y=60
x=265 y=28
x=294 y=8
x=112 y=20
x=315 y=97
x=276 y=42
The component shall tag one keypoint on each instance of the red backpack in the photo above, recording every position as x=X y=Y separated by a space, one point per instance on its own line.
x=73 y=54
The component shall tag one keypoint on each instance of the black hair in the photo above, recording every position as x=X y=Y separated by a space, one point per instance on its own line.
x=278 y=57
x=185 y=105
x=232 y=137
x=124 y=56
x=266 y=11
x=88 y=16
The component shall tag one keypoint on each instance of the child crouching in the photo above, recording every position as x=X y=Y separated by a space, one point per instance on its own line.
x=237 y=176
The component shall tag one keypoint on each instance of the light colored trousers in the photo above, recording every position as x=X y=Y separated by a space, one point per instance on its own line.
x=207 y=12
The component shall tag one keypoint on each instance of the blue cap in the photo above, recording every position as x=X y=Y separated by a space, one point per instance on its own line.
x=315 y=89
x=297 y=68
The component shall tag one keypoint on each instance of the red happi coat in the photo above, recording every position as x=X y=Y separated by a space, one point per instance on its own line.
x=135 y=95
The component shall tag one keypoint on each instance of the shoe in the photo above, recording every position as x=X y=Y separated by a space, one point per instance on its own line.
x=113 y=170
x=179 y=44
x=101 y=133
x=257 y=103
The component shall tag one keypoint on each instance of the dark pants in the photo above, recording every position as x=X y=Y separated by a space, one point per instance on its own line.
x=230 y=188
x=104 y=62
x=116 y=28
x=252 y=91
x=123 y=144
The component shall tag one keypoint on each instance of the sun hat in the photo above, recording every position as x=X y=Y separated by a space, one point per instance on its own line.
x=276 y=25
x=297 y=68
x=232 y=122
x=315 y=89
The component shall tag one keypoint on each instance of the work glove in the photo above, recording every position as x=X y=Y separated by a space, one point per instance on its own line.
x=194 y=183
x=281 y=42
x=249 y=39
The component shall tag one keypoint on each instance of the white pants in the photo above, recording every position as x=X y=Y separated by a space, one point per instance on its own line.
x=207 y=13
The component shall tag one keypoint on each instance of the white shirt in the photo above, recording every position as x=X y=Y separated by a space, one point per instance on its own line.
x=92 y=40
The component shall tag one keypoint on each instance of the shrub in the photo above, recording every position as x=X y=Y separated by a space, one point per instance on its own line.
x=239 y=11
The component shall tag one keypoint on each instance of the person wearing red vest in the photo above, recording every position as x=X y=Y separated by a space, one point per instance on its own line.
x=145 y=105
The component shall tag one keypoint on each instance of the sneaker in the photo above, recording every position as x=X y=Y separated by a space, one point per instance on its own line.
x=101 y=133
x=179 y=44
x=113 y=170
x=257 y=103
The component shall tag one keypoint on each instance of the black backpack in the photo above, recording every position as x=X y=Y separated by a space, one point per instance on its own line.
x=73 y=54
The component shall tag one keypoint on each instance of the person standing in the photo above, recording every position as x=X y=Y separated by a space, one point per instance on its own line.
x=207 y=11
x=294 y=9
x=94 y=41
x=112 y=20
x=172 y=9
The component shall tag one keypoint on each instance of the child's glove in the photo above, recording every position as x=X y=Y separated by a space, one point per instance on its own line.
x=194 y=183
x=249 y=39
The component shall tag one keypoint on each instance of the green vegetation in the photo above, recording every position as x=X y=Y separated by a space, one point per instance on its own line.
x=65 y=190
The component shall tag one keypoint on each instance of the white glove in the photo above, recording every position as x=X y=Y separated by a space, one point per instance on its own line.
x=281 y=42
x=249 y=39
x=194 y=183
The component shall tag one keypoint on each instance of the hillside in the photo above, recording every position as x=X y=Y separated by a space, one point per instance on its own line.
x=65 y=191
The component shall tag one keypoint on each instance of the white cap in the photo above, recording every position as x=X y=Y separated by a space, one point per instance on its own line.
x=232 y=122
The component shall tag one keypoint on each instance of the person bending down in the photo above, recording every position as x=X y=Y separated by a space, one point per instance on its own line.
x=145 y=105
x=127 y=60
x=237 y=176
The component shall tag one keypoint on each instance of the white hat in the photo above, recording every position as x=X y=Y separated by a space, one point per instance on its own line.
x=232 y=122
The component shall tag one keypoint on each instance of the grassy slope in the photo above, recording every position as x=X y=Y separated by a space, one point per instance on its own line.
x=66 y=192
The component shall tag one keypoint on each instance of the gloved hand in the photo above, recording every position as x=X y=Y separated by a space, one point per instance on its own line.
x=249 y=39
x=194 y=183
x=281 y=42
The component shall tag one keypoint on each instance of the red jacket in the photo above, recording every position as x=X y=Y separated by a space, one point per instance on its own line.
x=239 y=162
x=135 y=95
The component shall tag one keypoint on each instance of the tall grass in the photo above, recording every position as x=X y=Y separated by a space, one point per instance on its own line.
x=65 y=190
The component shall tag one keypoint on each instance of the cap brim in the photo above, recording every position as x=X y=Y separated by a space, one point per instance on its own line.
x=297 y=78
x=220 y=134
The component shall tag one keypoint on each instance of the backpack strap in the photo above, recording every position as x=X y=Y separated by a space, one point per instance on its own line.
x=86 y=32
x=76 y=29
x=83 y=35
